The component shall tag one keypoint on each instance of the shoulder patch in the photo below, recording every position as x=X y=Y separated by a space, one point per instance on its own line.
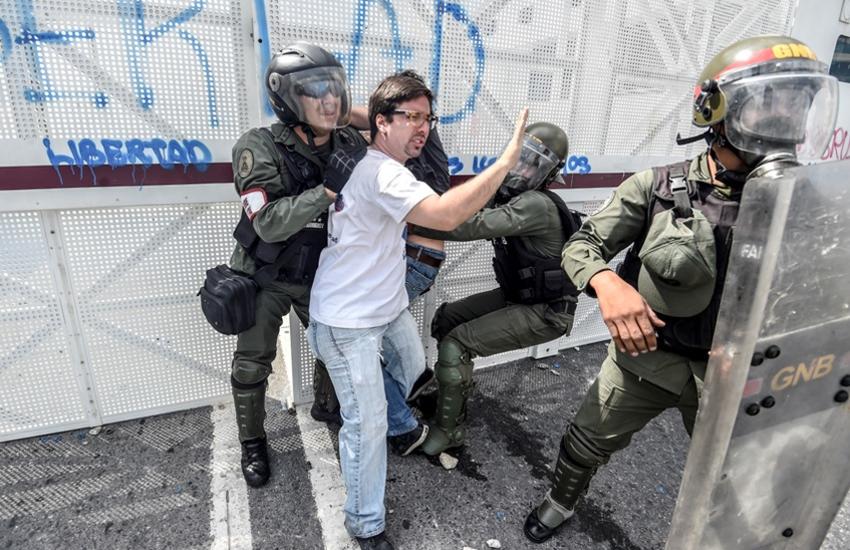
x=246 y=163
x=253 y=201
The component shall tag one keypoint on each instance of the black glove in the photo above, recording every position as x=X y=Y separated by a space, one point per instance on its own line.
x=340 y=166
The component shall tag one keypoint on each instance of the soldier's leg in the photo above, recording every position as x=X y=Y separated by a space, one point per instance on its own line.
x=688 y=404
x=510 y=327
x=252 y=360
x=616 y=406
x=325 y=406
x=454 y=367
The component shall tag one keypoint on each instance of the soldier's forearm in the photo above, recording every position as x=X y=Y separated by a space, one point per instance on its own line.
x=286 y=216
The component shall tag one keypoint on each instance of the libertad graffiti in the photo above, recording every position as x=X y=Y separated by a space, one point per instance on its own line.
x=116 y=153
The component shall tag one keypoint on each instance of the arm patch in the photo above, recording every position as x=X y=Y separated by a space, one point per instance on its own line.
x=253 y=201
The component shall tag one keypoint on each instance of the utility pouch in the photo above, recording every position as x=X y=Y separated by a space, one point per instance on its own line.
x=228 y=300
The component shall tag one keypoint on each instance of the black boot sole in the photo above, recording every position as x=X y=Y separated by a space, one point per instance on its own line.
x=532 y=518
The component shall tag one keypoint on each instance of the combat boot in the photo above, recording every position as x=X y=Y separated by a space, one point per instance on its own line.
x=250 y=400
x=255 y=462
x=571 y=481
x=454 y=377
x=325 y=406
x=377 y=542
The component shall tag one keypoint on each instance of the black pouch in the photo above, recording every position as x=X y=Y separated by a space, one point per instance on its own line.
x=228 y=300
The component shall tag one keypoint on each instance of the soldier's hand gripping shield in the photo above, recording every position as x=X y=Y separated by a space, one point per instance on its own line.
x=767 y=466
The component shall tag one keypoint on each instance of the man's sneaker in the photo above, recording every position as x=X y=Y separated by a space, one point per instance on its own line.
x=378 y=542
x=421 y=384
x=323 y=415
x=255 y=462
x=406 y=443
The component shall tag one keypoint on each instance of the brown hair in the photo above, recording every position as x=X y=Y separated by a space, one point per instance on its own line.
x=391 y=92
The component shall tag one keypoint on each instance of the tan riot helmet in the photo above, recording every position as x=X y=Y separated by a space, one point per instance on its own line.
x=544 y=153
x=772 y=94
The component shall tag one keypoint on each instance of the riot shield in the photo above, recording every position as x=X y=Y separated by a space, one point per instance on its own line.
x=768 y=464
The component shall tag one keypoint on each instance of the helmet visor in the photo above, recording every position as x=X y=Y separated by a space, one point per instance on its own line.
x=318 y=97
x=792 y=112
x=536 y=162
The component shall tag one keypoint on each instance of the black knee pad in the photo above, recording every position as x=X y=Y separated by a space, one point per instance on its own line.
x=439 y=326
x=249 y=374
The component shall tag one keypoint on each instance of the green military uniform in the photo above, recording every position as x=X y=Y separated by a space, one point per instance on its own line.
x=629 y=391
x=488 y=323
x=257 y=165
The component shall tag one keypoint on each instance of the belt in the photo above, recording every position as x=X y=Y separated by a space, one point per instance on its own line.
x=422 y=256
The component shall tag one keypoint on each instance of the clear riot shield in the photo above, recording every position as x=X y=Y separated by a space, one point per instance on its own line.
x=769 y=464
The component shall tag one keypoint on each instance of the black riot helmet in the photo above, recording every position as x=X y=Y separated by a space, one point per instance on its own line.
x=306 y=85
x=544 y=153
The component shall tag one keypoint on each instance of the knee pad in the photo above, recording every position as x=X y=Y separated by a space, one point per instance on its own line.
x=439 y=326
x=249 y=374
x=581 y=449
x=451 y=353
x=453 y=365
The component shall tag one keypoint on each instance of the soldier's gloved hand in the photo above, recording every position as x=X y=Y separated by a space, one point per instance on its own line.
x=340 y=166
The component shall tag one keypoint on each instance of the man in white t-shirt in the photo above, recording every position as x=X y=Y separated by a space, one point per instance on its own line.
x=358 y=301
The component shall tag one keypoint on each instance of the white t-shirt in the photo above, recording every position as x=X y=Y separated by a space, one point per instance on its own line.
x=360 y=279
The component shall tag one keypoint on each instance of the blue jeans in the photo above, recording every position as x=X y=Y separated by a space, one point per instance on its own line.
x=352 y=359
x=420 y=277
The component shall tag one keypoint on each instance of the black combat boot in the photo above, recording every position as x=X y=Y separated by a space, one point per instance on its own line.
x=570 y=482
x=377 y=542
x=325 y=404
x=255 y=462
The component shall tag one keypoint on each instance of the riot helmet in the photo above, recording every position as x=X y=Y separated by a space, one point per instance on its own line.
x=544 y=153
x=306 y=85
x=772 y=96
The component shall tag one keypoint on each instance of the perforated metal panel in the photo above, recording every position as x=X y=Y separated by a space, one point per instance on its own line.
x=123 y=69
x=135 y=274
x=617 y=74
x=38 y=384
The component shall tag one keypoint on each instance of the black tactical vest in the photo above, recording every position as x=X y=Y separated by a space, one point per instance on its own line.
x=688 y=336
x=527 y=277
x=298 y=255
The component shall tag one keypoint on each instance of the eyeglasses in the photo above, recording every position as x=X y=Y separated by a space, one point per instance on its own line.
x=319 y=88
x=416 y=118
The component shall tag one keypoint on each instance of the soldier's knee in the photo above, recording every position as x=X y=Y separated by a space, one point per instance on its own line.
x=249 y=373
x=439 y=324
x=451 y=352
x=453 y=365
x=582 y=449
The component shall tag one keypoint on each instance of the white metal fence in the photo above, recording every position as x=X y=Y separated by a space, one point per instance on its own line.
x=116 y=123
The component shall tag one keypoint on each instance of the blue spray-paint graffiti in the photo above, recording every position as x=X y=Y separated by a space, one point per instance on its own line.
x=576 y=164
x=401 y=53
x=458 y=13
x=5 y=40
x=117 y=153
x=398 y=52
x=137 y=39
x=264 y=46
x=30 y=36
